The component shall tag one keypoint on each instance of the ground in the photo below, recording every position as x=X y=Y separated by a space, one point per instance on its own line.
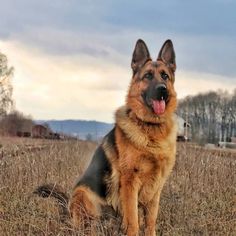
x=199 y=198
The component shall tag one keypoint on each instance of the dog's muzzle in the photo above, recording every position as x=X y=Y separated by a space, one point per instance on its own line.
x=156 y=98
x=161 y=92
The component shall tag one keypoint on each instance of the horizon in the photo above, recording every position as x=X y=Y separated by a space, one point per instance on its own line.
x=72 y=59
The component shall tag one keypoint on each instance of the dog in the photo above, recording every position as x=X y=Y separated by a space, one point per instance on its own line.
x=129 y=168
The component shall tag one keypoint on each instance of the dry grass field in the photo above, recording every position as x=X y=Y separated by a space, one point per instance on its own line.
x=198 y=199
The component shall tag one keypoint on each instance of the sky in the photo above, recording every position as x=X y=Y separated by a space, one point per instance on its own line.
x=72 y=58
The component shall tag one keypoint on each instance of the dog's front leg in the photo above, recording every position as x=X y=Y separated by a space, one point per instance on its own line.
x=151 y=211
x=129 y=203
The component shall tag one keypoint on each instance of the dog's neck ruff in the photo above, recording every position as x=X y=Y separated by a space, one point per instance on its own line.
x=137 y=135
x=140 y=121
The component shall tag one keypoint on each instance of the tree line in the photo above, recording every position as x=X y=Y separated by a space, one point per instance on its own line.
x=212 y=116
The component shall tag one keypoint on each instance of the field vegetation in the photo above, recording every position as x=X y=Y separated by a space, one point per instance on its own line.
x=198 y=199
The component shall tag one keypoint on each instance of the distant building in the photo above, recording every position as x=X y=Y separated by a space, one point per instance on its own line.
x=44 y=131
x=183 y=133
x=23 y=134
x=40 y=131
x=233 y=139
x=228 y=144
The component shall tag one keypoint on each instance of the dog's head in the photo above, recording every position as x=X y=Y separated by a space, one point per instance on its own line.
x=152 y=96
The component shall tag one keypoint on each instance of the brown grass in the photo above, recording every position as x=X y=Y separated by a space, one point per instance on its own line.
x=198 y=199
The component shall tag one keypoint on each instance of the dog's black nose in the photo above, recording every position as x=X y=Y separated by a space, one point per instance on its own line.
x=161 y=92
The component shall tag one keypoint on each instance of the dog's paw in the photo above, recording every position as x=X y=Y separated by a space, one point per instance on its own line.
x=150 y=231
x=124 y=226
x=130 y=229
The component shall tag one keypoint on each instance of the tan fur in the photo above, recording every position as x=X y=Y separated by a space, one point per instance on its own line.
x=141 y=159
x=144 y=164
x=84 y=206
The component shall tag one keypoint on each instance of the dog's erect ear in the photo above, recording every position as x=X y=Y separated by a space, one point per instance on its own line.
x=167 y=54
x=140 y=55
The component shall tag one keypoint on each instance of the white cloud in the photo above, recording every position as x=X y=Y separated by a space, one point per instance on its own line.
x=62 y=87
x=191 y=83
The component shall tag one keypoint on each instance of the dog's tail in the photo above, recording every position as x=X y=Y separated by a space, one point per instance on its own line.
x=56 y=192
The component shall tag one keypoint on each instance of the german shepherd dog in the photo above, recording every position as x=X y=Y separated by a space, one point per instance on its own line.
x=131 y=165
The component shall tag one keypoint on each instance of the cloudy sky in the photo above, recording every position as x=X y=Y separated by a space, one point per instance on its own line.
x=72 y=57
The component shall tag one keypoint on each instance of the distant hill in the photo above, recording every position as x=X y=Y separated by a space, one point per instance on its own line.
x=79 y=128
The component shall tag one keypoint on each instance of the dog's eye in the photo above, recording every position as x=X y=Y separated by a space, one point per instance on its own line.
x=164 y=76
x=148 y=76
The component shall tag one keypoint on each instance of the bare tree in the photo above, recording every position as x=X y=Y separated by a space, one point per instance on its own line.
x=5 y=86
x=211 y=115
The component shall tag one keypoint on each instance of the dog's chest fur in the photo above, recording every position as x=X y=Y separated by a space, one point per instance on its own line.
x=148 y=169
x=144 y=156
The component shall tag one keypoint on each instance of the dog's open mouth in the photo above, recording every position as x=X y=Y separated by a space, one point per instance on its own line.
x=159 y=106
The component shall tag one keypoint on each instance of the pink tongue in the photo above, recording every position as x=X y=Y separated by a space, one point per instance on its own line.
x=159 y=106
